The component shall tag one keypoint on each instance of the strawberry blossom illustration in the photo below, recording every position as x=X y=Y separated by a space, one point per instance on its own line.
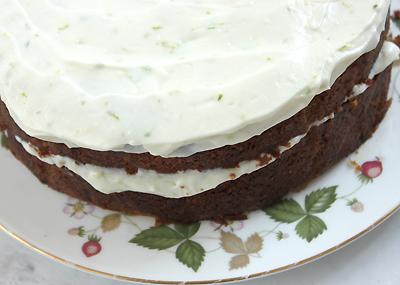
x=78 y=209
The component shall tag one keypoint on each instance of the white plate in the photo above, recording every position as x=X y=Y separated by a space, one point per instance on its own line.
x=342 y=205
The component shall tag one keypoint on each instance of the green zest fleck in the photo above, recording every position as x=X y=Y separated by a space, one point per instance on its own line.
x=63 y=28
x=375 y=6
x=344 y=47
x=23 y=94
x=220 y=97
x=174 y=92
x=156 y=28
x=211 y=28
x=148 y=134
x=112 y=114
x=146 y=68
x=124 y=49
x=170 y=46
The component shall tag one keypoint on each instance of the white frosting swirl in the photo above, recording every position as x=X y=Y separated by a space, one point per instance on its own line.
x=173 y=77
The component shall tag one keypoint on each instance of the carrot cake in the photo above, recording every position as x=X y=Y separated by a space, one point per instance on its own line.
x=195 y=109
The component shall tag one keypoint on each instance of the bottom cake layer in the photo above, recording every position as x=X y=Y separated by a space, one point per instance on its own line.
x=320 y=149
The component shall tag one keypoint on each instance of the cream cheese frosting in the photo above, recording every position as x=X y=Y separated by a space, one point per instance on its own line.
x=389 y=53
x=173 y=77
x=191 y=182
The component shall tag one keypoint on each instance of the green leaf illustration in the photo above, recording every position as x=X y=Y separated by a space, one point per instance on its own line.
x=191 y=254
x=365 y=179
x=187 y=230
x=288 y=211
x=321 y=200
x=310 y=227
x=161 y=237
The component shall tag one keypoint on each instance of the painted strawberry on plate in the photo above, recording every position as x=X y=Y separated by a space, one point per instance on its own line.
x=372 y=169
x=356 y=206
x=369 y=170
x=92 y=247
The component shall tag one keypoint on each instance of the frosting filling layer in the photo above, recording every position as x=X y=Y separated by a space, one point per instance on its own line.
x=388 y=54
x=190 y=182
x=120 y=75
x=177 y=185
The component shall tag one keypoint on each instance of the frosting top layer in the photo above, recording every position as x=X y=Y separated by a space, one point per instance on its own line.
x=173 y=77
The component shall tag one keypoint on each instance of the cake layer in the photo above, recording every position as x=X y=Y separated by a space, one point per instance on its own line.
x=228 y=156
x=126 y=77
x=189 y=182
x=322 y=147
x=177 y=185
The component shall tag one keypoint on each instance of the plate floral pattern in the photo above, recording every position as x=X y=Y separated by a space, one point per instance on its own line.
x=185 y=243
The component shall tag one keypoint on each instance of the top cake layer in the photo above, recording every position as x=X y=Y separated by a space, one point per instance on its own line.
x=173 y=77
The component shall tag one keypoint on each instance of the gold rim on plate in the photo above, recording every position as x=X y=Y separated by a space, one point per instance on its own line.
x=218 y=281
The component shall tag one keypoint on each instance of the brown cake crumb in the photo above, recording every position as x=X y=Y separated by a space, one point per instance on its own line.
x=354 y=103
x=396 y=40
x=264 y=160
x=396 y=20
x=226 y=221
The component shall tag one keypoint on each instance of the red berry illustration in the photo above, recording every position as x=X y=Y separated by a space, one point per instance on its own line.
x=357 y=207
x=92 y=246
x=372 y=169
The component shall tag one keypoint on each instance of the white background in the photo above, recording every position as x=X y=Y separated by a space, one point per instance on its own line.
x=373 y=259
